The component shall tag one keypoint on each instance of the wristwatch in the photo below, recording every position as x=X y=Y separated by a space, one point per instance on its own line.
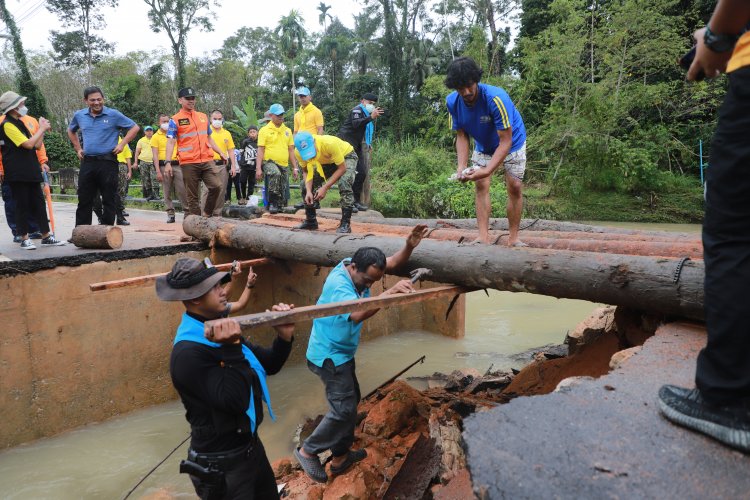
x=719 y=42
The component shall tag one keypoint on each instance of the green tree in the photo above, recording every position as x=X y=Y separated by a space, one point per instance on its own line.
x=177 y=18
x=291 y=34
x=323 y=9
x=80 y=47
x=26 y=86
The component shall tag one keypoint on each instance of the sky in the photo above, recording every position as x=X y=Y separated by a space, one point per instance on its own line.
x=128 y=26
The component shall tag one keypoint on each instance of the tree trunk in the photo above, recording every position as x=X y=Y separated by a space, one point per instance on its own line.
x=108 y=237
x=653 y=284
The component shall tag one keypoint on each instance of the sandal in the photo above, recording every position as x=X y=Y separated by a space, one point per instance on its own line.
x=352 y=458
x=312 y=467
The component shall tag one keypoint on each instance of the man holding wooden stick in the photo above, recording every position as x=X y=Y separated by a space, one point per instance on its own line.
x=221 y=379
x=330 y=353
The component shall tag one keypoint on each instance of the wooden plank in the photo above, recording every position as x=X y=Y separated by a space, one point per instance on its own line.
x=272 y=318
x=150 y=278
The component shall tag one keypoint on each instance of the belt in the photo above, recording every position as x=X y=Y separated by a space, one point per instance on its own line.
x=224 y=460
x=105 y=156
x=174 y=163
x=219 y=162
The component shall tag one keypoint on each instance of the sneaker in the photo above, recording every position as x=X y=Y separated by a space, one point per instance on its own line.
x=51 y=241
x=729 y=425
x=36 y=236
x=170 y=219
x=28 y=245
x=125 y=214
x=17 y=239
x=122 y=222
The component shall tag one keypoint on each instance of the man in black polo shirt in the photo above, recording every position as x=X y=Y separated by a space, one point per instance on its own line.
x=100 y=127
x=357 y=127
x=221 y=379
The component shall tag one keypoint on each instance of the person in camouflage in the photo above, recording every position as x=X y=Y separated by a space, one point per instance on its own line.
x=124 y=174
x=144 y=162
x=275 y=153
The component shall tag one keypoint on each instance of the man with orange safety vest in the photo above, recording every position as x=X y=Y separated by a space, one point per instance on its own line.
x=190 y=132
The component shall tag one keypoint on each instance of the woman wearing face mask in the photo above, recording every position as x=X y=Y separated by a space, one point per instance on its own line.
x=357 y=127
x=21 y=168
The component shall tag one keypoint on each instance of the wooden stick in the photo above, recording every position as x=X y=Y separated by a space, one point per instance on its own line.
x=149 y=278
x=272 y=318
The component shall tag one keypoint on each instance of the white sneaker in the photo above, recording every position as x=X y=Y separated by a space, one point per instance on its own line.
x=28 y=245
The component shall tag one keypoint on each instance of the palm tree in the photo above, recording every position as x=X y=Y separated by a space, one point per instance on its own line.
x=323 y=8
x=291 y=31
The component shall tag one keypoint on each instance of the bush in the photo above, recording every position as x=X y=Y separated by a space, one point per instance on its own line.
x=60 y=152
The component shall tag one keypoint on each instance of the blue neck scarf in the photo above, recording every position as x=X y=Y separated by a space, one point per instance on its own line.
x=370 y=128
x=192 y=330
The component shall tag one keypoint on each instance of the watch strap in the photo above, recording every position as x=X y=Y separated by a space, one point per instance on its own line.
x=719 y=42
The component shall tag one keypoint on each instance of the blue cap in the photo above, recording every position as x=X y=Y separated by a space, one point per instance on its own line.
x=303 y=91
x=148 y=127
x=276 y=109
x=305 y=144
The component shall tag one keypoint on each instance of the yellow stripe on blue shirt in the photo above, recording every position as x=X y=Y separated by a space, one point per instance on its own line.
x=503 y=111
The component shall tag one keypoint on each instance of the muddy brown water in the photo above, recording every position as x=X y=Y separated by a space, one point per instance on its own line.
x=106 y=460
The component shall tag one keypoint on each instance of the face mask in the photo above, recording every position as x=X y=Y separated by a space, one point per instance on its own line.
x=164 y=126
x=23 y=110
x=370 y=107
x=217 y=123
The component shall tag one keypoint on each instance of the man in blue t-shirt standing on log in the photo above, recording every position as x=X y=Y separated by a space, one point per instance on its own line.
x=330 y=353
x=486 y=114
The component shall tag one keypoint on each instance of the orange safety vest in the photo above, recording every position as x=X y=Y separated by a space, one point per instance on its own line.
x=33 y=126
x=192 y=137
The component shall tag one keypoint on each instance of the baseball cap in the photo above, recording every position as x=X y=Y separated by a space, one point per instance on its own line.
x=148 y=127
x=303 y=91
x=186 y=92
x=276 y=109
x=305 y=144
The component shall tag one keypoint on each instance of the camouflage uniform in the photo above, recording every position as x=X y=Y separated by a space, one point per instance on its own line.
x=149 y=183
x=278 y=182
x=345 y=182
x=122 y=186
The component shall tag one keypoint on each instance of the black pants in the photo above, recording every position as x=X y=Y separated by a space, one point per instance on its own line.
x=359 y=179
x=97 y=175
x=10 y=212
x=336 y=431
x=249 y=480
x=247 y=182
x=723 y=372
x=29 y=203
x=232 y=181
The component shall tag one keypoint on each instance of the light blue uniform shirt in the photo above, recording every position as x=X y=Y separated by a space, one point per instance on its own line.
x=336 y=337
x=100 y=132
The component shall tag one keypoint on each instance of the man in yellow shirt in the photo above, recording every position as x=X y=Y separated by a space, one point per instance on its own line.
x=229 y=169
x=144 y=162
x=275 y=152
x=309 y=118
x=326 y=160
x=170 y=175
x=719 y=405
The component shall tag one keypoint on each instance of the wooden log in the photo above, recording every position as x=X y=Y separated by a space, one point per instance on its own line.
x=273 y=318
x=98 y=236
x=669 y=286
x=150 y=278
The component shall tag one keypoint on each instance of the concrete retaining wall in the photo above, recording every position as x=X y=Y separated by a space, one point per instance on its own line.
x=69 y=357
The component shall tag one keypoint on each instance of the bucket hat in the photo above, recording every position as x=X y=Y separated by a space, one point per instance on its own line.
x=10 y=100
x=188 y=279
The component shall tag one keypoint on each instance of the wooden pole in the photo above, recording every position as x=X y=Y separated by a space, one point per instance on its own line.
x=668 y=286
x=150 y=278
x=273 y=318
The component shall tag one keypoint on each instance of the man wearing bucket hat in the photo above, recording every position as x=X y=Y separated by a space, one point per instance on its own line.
x=326 y=160
x=221 y=379
x=309 y=118
x=21 y=168
x=359 y=127
x=275 y=152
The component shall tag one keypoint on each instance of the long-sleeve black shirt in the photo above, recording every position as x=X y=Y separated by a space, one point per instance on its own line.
x=353 y=128
x=214 y=385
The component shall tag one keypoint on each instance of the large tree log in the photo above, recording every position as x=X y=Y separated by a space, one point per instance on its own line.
x=658 y=285
x=98 y=236
x=628 y=244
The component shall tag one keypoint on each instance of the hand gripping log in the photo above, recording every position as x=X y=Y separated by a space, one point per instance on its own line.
x=273 y=318
x=150 y=278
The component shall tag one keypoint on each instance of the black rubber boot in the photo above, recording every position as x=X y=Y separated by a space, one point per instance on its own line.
x=311 y=221
x=346 y=221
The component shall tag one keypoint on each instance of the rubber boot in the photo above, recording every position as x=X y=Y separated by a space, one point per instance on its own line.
x=273 y=204
x=311 y=221
x=346 y=221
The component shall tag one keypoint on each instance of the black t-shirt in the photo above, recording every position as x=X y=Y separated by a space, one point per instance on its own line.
x=248 y=152
x=214 y=385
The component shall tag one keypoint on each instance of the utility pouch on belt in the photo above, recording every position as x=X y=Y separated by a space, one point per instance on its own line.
x=211 y=477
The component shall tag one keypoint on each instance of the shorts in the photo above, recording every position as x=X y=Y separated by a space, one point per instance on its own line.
x=514 y=164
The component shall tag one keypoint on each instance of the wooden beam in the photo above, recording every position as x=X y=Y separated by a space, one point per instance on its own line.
x=305 y=313
x=150 y=278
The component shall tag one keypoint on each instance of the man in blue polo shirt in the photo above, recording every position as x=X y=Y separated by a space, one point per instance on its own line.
x=486 y=114
x=330 y=353
x=100 y=127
